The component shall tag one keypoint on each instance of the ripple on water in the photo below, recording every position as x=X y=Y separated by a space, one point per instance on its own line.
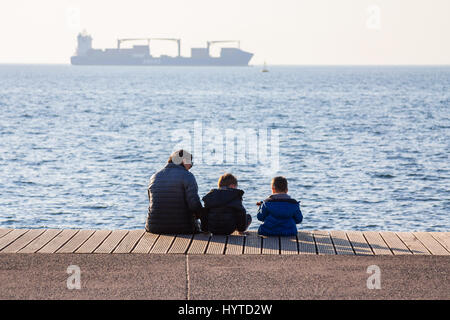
x=78 y=146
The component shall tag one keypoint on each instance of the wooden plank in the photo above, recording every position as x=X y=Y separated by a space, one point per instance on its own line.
x=235 y=244
x=306 y=244
x=199 y=243
x=40 y=241
x=323 y=242
x=431 y=244
x=76 y=242
x=376 y=242
x=130 y=241
x=93 y=242
x=58 y=241
x=288 y=245
x=181 y=243
x=216 y=244
x=163 y=244
x=443 y=238
x=252 y=243
x=146 y=243
x=11 y=237
x=271 y=245
x=341 y=243
x=4 y=231
x=395 y=244
x=111 y=242
x=22 y=241
x=410 y=240
x=359 y=243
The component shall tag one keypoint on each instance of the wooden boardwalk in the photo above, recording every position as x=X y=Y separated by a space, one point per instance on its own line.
x=306 y=242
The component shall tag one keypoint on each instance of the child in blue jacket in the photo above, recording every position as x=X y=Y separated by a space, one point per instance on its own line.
x=279 y=212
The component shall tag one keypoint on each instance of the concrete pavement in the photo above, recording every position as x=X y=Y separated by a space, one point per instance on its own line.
x=155 y=276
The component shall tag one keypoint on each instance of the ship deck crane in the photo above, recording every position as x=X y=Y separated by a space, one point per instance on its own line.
x=178 y=41
x=209 y=43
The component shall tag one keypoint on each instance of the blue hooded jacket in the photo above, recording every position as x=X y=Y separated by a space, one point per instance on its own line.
x=279 y=214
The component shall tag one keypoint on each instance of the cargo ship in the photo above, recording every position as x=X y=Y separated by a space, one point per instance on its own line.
x=141 y=54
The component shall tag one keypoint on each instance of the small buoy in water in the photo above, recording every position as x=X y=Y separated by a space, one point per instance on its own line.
x=265 y=68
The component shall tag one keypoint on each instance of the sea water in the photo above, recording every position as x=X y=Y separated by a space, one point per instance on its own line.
x=363 y=148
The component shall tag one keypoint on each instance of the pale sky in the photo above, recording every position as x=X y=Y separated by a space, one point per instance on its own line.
x=299 y=32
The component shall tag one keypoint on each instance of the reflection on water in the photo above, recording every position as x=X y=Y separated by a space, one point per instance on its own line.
x=363 y=148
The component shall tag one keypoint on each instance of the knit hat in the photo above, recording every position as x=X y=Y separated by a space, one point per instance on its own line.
x=178 y=156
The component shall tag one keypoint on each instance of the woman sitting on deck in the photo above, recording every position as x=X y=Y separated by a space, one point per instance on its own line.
x=173 y=196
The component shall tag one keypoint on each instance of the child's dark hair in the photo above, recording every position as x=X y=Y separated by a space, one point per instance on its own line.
x=227 y=180
x=280 y=184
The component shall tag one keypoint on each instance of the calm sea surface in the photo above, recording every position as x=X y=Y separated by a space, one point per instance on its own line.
x=363 y=148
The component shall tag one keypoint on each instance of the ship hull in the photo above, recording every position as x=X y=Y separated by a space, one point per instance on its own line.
x=242 y=60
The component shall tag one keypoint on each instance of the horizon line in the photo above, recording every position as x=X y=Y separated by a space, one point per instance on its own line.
x=250 y=65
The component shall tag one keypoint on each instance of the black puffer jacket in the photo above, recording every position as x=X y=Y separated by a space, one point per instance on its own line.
x=225 y=211
x=174 y=201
